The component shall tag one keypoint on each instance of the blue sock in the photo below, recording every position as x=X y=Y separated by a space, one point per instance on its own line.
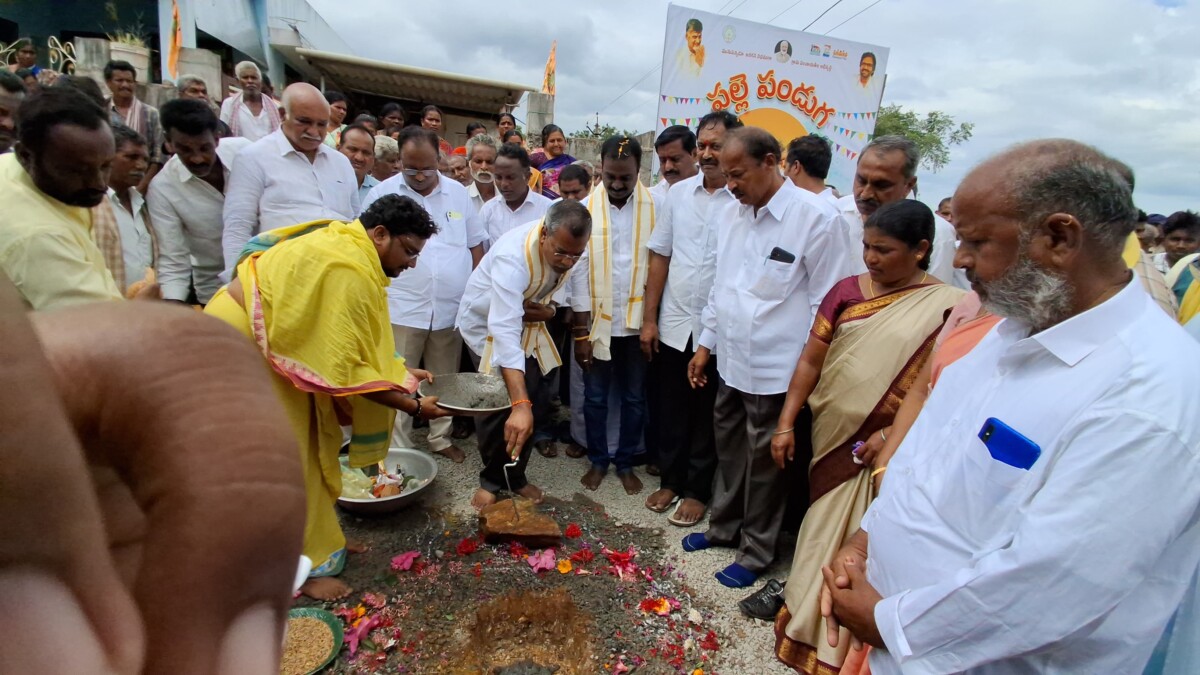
x=695 y=541
x=736 y=576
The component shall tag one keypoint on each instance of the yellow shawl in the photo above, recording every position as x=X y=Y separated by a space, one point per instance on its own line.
x=600 y=273
x=535 y=338
x=318 y=311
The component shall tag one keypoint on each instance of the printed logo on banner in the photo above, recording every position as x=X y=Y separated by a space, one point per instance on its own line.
x=840 y=54
x=730 y=34
x=815 y=51
x=827 y=50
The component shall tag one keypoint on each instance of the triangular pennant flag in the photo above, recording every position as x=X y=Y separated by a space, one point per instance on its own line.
x=664 y=121
x=664 y=98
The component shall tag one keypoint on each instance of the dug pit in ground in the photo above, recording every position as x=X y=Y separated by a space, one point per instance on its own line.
x=531 y=634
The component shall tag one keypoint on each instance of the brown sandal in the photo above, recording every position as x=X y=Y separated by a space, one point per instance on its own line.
x=546 y=448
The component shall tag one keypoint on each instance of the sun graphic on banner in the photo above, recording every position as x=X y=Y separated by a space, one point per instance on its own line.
x=778 y=123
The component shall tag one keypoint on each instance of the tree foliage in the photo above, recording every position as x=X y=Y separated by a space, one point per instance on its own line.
x=934 y=133
x=606 y=132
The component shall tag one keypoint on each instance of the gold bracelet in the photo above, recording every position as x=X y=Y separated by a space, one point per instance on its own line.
x=878 y=471
x=582 y=338
x=785 y=431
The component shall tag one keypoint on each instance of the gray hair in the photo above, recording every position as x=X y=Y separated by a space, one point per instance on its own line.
x=246 y=66
x=478 y=140
x=571 y=215
x=186 y=81
x=587 y=166
x=886 y=144
x=1064 y=176
x=386 y=148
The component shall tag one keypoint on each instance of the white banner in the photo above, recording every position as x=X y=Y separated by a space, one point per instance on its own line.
x=788 y=82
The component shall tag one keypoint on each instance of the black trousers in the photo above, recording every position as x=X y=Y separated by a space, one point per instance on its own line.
x=489 y=432
x=682 y=423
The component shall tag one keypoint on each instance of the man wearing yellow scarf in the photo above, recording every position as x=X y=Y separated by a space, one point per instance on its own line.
x=607 y=295
x=313 y=298
x=502 y=319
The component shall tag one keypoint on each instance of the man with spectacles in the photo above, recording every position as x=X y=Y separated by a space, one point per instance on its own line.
x=502 y=319
x=424 y=301
x=289 y=176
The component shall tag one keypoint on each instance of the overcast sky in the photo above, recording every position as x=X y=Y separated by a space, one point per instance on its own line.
x=1121 y=74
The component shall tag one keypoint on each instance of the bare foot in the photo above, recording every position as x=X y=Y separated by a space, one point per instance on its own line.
x=575 y=450
x=630 y=482
x=546 y=448
x=592 y=479
x=452 y=453
x=533 y=493
x=356 y=546
x=660 y=500
x=325 y=588
x=482 y=498
x=689 y=512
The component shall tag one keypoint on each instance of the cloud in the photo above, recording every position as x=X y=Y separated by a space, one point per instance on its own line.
x=1119 y=74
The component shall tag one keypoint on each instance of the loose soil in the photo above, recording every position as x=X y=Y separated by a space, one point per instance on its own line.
x=467 y=607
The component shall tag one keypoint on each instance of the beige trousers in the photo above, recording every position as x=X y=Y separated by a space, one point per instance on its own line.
x=439 y=351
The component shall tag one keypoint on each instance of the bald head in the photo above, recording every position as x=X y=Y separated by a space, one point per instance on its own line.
x=1042 y=227
x=306 y=118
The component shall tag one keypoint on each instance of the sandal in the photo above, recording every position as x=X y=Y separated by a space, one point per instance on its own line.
x=546 y=448
x=676 y=521
x=665 y=507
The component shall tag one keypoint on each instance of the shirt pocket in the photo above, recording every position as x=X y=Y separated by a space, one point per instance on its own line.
x=979 y=494
x=453 y=231
x=773 y=280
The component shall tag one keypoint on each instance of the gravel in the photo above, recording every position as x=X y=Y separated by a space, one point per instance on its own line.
x=746 y=645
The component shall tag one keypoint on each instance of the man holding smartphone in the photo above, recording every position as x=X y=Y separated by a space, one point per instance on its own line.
x=779 y=251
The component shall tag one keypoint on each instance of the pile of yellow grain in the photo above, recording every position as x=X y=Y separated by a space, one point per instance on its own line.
x=307 y=644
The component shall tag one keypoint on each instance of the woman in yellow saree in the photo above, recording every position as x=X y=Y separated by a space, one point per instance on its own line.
x=872 y=335
x=313 y=298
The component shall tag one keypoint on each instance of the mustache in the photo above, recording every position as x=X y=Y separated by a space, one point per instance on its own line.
x=483 y=176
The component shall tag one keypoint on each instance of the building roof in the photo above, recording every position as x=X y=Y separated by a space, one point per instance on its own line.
x=392 y=80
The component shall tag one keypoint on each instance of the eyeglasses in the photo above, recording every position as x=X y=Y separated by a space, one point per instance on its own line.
x=566 y=256
x=413 y=173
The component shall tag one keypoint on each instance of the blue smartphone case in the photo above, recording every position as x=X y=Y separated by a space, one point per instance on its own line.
x=1008 y=445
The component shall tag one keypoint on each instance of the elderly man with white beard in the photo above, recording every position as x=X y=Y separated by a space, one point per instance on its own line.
x=288 y=177
x=1041 y=514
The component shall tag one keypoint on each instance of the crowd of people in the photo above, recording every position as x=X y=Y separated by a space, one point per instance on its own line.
x=982 y=420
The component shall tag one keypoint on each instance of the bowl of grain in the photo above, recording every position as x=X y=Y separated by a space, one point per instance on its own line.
x=312 y=640
x=468 y=393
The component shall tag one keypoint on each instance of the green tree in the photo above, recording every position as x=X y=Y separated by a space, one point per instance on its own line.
x=934 y=134
x=606 y=132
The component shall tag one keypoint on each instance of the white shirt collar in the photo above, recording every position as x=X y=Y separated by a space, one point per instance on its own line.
x=528 y=199
x=135 y=199
x=1077 y=337
x=285 y=146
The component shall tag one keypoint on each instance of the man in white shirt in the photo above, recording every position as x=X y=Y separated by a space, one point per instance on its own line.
x=289 y=177
x=676 y=151
x=808 y=160
x=481 y=160
x=139 y=249
x=886 y=173
x=683 y=252
x=779 y=251
x=424 y=301
x=1042 y=514
x=357 y=143
x=502 y=320
x=607 y=295
x=517 y=203
x=249 y=114
x=186 y=199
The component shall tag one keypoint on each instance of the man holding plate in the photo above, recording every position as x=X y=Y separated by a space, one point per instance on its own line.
x=502 y=319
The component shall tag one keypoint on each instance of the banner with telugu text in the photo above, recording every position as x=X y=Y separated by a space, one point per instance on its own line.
x=788 y=82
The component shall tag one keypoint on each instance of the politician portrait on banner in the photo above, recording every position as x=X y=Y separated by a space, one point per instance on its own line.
x=788 y=82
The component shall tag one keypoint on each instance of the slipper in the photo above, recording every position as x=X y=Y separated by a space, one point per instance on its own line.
x=695 y=541
x=674 y=519
x=665 y=507
x=736 y=576
x=546 y=449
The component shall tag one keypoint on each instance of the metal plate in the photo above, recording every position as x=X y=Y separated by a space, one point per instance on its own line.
x=468 y=393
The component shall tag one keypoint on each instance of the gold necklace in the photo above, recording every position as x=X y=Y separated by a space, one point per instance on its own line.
x=875 y=293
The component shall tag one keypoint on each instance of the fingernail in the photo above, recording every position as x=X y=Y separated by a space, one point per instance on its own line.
x=252 y=644
x=38 y=614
